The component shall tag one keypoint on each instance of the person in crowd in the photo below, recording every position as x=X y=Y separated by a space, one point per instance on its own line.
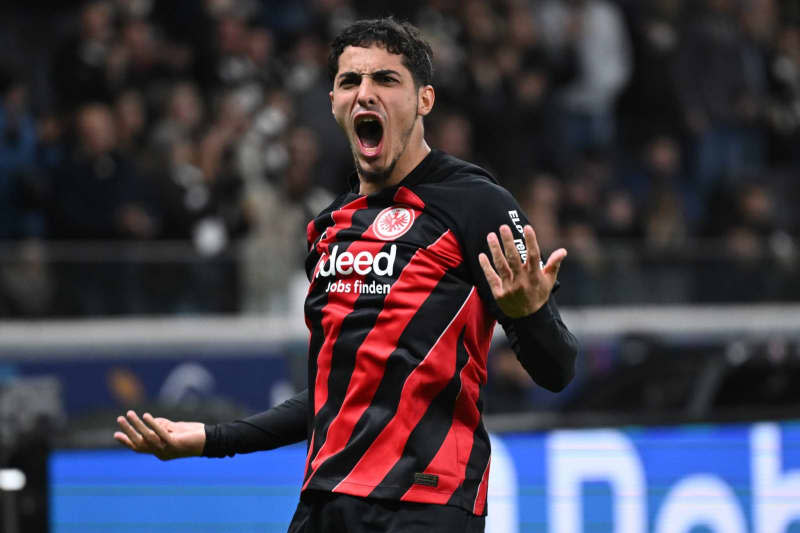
x=593 y=30
x=81 y=65
x=18 y=160
x=96 y=195
x=649 y=105
x=277 y=209
x=721 y=83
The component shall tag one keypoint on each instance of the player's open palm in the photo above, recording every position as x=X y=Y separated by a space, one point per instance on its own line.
x=161 y=437
x=519 y=288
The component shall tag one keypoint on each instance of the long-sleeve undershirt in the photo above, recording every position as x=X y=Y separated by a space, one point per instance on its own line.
x=544 y=346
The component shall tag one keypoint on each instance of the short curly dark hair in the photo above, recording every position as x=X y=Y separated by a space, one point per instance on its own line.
x=401 y=38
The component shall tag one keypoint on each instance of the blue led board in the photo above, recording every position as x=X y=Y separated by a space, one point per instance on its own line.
x=733 y=478
x=122 y=491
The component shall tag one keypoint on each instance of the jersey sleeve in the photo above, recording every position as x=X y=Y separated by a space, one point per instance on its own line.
x=284 y=424
x=543 y=344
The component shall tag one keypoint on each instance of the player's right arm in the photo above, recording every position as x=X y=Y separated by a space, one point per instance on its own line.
x=283 y=424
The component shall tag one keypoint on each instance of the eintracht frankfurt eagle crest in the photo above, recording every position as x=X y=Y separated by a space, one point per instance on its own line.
x=393 y=222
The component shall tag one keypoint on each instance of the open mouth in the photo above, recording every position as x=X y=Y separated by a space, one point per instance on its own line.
x=369 y=131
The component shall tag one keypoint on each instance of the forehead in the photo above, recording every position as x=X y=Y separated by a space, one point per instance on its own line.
x=364 y=60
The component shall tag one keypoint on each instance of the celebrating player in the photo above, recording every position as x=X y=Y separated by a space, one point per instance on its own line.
x=410 y=271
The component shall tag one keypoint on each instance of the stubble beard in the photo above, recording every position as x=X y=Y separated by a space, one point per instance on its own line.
x=377 y=178
x=382 y=176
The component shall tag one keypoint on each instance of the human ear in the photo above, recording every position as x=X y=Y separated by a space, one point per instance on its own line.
x=425 y=98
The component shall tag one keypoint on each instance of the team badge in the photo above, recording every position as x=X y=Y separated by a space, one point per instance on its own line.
x=393 y=222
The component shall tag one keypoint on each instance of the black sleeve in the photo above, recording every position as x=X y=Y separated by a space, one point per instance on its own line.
x=543 y=344
x=284 y=424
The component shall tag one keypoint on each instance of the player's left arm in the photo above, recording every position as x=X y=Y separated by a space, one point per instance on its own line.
x=522 y=290
x=505 y=260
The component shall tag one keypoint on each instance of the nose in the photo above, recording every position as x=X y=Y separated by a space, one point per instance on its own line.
x=366 y=93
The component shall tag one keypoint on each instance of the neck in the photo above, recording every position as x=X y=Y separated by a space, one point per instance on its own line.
x=416 y=150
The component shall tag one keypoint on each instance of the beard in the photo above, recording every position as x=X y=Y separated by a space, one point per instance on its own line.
x=377 y=178
x=380 y=177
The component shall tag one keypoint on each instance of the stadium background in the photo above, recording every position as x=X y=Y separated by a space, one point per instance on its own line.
x=158 y=160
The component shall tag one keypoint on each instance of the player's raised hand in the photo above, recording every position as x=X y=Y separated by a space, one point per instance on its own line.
x=519 y=288
x=161 y=437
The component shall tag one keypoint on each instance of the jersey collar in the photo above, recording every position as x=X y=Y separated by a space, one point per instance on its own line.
x=418 y=175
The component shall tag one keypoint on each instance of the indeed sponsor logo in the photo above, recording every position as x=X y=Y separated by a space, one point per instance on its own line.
x=362 y=263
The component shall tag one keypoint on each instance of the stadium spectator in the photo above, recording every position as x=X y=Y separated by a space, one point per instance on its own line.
x=649 y=105
x=308 y=86
x=278 y=210
x=543 y=199
x=749 y=226
x=81 y=65
x=95 y=191
x=594 y=31
x=663 y=193
x=784 y=101
x=130 y=113
x=181 y=118
x=18 y=160
x=25 y=281
x=94 y=195
x=452 y=133
x=721 y=82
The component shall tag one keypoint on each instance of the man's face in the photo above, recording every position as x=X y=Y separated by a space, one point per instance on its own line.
x=376 y=103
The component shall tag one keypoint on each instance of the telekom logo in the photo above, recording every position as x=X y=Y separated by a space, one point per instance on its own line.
x=393 y=222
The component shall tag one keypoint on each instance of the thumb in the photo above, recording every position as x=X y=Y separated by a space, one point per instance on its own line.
x=554 y=262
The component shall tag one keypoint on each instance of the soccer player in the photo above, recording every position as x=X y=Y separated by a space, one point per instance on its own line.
x=410 y=271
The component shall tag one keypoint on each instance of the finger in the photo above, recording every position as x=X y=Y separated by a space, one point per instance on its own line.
x=133 y=436
x=510 y=247
x=157 y=426
x=499 y=260
x=494 y=281
x=165 y=423
x=554 y=262
x=148 y=434
x=534 y=254
x=122 y=438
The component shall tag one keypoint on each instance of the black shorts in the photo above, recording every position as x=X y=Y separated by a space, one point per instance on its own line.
x=328 y=512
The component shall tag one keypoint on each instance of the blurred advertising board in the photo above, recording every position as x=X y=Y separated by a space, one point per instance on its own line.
x=91 y=384
x=710 y=478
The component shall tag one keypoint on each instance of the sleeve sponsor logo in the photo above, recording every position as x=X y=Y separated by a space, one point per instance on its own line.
x=519 y=242
x=393 y=222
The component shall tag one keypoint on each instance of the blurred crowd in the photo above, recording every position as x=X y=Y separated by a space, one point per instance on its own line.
x=164 y=156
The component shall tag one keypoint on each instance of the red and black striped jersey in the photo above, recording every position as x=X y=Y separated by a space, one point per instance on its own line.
x=400 y=319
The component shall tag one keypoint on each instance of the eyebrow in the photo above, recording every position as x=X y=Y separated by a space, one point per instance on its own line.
x=377 y=73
